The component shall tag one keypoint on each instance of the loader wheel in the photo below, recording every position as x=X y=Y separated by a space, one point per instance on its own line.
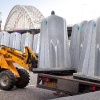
x=7 y=80
x=24 y=78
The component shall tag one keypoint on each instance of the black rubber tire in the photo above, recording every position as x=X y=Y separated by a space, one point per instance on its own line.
x=24 y=78
x=10 y=80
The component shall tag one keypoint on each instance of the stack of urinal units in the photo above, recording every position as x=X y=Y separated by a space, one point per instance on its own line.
x=54 y=54
x=85 y=50
x=19 y=41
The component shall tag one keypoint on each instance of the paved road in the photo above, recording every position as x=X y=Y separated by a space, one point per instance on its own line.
x=86 y=96
x=29 y=93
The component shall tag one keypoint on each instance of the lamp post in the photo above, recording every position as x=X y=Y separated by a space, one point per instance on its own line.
x=82 y=6
x=0 y=21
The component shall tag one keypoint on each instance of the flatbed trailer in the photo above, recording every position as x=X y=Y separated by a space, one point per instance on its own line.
x=66 y=84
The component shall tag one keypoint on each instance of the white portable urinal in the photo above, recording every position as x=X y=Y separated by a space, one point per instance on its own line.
x=15 y=40
x=74 y=46
x=27 y=40
x=83 y=35
x=4 y=38
x=54 y=54
x=36 y=43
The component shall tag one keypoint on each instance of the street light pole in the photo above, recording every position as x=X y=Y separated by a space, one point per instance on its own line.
x=0 y=21
x=82 y=5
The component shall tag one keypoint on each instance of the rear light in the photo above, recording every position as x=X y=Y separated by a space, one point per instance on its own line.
x=93 y=88
x=47 y=80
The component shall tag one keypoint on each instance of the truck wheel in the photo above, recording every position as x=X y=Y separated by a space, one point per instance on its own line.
x=24 y=78
x=7 y=80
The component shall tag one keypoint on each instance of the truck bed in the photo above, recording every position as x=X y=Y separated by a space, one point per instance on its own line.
x=67 y=83
x=70 y=77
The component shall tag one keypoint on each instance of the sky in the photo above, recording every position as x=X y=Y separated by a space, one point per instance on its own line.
x=74 y=11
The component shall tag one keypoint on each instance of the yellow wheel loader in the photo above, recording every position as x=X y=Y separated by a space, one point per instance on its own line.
x=10 y=75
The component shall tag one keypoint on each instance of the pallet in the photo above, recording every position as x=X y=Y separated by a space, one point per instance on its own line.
x=86 y=78
x=55 y=72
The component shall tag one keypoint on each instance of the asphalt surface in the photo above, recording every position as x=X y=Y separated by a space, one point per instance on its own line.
x=86 y=96
x=28 y=93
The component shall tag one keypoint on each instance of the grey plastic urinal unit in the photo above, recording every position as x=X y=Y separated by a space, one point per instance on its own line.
x=54 y=54
x=4 y=38
x=26 y=40
x=36 y=43
x=15 y=40
x=74 y=46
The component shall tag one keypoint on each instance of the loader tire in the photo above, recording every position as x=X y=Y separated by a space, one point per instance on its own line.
x=7 y=80
x=24 y=78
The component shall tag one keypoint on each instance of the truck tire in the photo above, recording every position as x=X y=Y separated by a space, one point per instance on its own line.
x=7 y=80
x=24 y=78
